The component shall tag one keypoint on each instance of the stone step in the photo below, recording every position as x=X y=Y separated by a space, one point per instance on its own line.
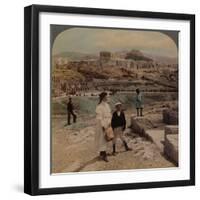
x=157 y=137
x=139 y=125
x=166 y=140
x=171 y=129
x=171 y=147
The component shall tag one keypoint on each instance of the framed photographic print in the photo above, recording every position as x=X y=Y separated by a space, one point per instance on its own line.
x=109 y=100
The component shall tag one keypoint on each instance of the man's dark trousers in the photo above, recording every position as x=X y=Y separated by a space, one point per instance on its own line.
x=69 y=116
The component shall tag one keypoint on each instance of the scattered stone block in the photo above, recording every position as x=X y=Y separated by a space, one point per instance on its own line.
x=171 y=129
x=171 y=147
x=157 y=137
x=140 y=124
x=170 y=117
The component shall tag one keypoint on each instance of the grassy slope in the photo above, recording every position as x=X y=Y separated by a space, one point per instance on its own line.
x=87 y=105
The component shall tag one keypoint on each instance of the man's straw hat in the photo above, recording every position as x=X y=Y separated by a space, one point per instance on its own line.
x=118 y=103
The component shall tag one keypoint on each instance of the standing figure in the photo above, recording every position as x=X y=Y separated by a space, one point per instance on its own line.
x=118 y=124
x=70 y=111
x=103 y=121
x=139 y=102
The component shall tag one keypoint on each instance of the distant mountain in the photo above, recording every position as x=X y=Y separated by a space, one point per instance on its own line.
x=75 y=55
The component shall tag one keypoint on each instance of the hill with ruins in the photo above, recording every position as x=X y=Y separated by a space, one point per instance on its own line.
x=125 y=70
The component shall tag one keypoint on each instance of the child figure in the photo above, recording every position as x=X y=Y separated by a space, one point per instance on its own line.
x=118 y=124
x=139 y=102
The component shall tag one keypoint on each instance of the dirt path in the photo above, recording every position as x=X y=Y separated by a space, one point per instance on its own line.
x=73 y=149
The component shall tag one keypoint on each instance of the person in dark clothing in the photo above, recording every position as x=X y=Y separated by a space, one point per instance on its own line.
x=70 y=111
x=118 y=124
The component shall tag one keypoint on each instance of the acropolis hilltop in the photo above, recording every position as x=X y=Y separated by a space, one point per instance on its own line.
x=113 y=72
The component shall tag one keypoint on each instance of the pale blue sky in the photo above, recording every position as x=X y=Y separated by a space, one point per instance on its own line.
x=93 y=40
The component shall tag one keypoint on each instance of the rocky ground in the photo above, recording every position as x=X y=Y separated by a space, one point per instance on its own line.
x=73 y=146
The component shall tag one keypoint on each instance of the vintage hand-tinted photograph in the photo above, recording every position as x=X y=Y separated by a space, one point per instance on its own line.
x=114 y=99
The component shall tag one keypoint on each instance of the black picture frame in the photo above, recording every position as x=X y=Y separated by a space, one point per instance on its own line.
x=31 y=98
